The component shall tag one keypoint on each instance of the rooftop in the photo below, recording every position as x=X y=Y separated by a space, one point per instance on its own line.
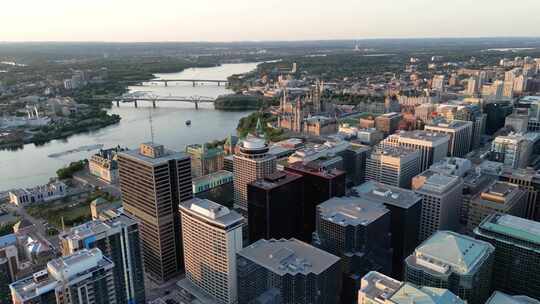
x=167 y=155
x=397 y=152
x=313 y=171
x=454 y=124
x=213 y=176
x=275 y=180
x=211 y=211
x=351 y=211
x=382 y=193
x=501 y=298
x=69 y=266
x=408 y=293
x=448 y=251
x=513 y=226
x=432 y=137
x=500 y=192
x=289 y=257
x=377 y=286
x=435 y=182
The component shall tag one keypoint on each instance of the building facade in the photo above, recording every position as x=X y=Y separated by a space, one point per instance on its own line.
x=205 y=160
x=394 y=166
x=432 y=146
x=460 y=133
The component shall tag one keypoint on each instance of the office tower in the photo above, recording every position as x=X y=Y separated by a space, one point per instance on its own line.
x=252 y=162
x=405 y=210
x=290 y=270
x=357 y=231
x=212 y=235
x=517 y=253
x=496 y=113
x=498 y=297
x=319 y=185
x=354 y=162
x=517 y=122
x=388 y=123
x=153 y=181
x=394 y=166
x=474 y=182
x=512 y=150
x=376 y=288
x=9 y=264
x=455 y=262
x=438 y=82
x=529 y=181
x=228 y=163
x=473 y=113
x=452 y=166
x=83 y=277
x=472 y=86
x=205 y=160
x=369 y=136
x=432 y=146
x=441 y=201
x=498 y=197
x=276 y=207
x=460 y=133
x=118 y=240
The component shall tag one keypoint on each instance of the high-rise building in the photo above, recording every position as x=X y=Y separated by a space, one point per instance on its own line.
x=438 y=83
x=455 y=262
x=405 y=209
x=393 y=166
x=205 y=160
x=432 y=146
x=289 y=270
x=512 y=150
x=9 y=264
x=276 y=207
x=496 y=113
x=252 y=162
x=474 y=182
x=517 y=253
x=319 y=185
x=460 y=133
x=376 y=288
x=502 y=298
x=153 y=181
x=441 y=201
x=473 y=113
x=83 y=277
x=212 y=235
x=498 y=197
x=425 y=112
x=118 y=240
x=473 y=86
x=529 y=180
x=388 y=123
x=358 y=231
x=354 y=162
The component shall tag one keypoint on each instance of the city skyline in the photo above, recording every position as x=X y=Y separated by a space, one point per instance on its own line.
x=242 y=20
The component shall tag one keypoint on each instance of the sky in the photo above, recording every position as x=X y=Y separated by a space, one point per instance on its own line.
x=256 y=20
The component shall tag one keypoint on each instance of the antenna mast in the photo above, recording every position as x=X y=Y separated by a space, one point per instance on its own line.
x=154 y=98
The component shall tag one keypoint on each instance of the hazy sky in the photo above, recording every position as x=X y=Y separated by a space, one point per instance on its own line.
x=232 y=20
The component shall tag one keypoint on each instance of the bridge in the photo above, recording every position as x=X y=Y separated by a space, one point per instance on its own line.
x=194 y=81
x=146 y=96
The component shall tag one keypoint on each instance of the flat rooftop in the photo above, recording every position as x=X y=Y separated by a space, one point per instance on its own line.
x=288 y=257
x=351 y=211
x=212 y=176
x=211 y=211
x=502 y=298
x=96 y=227
x=422 y=135
x=397 y=152
x=513 y=226
x=436 y=182
x=299 y=166
x=275 y=180
x=447 y=250
x=378 y=287
x=409 y=293
x=454 y=124
x=167 y=156
x=382 y=193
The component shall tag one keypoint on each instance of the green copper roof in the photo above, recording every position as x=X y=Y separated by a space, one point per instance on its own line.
x=514 y=226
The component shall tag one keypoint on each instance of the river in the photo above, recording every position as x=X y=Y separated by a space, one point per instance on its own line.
x=32 y=165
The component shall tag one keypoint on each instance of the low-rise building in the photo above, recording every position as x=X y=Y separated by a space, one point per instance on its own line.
x=104 y=165
x=39 y=194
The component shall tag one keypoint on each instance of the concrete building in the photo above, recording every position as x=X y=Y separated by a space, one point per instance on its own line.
x=276 y=207
x=319 y=185
x=517 y=253
x=502 y=298
x=512 y=150
x=370 y=136
x=153 y=181
x=438 y=83
x=252 y=162
x=376 y=288
x=405 y=210
x=474 y=182
x=388 y=123
x=460 y=133
x=118 y=240
x=211 y=181
x=456 y=262
x=354 y=162
x=212 y=235
x=432 y=146
x=394 y=166
x=40 y=194
x=498 y=197
x=205 y=160
x=517 y=122
x=329 y=149
x=9 y=264
x=473 y=113
x=358 y=231
x=84 y=277
x=452 y=166
x=441 y=201
x=529 y=180
x=289 y=270
x=104 y=165
x=425 y=112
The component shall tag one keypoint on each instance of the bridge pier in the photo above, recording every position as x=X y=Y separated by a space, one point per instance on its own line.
x=218 y=84
x=196 y=105
x=166 y=84
x=194 y=83
x=135 y=102
x=118 y=103
x=153 y=104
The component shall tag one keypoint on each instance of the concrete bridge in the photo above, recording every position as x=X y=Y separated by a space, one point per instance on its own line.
x=194 y=81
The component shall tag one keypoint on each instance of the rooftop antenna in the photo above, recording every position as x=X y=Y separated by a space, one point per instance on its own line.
x=154 y=98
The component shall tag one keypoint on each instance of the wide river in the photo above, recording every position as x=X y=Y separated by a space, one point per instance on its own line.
x=32 y=165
